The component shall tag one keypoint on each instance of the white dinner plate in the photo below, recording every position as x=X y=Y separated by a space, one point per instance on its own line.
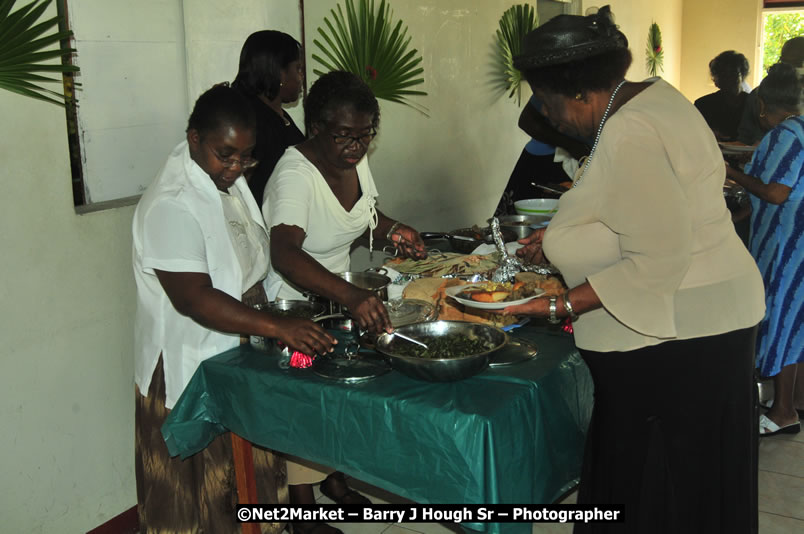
x=455 y=290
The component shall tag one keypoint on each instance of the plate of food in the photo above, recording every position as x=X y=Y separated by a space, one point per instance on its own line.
x=494 y=295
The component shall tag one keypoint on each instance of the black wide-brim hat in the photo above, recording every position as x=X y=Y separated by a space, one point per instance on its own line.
x=567 y=38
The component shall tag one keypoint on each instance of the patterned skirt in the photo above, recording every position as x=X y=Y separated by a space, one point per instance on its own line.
x=198 y=494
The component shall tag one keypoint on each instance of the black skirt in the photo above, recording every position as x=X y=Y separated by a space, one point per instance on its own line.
x=674 y=437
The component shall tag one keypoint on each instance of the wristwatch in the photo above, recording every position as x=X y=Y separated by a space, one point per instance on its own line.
x=552 y=318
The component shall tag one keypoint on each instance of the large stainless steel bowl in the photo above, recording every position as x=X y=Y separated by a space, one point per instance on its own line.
x=442 y=369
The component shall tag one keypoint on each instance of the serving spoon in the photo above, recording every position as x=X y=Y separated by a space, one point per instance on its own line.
x=406 y=338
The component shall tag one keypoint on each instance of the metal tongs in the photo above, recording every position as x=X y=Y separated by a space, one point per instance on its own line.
x=406 y=338
x=392 y=250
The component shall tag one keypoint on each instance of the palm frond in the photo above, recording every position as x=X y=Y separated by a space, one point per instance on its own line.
x=515 y=23
x=654 y=54
x=362 y=39
x=25 y=46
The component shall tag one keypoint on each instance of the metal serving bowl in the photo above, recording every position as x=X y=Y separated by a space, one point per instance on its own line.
x=371 y=280
x=289 y=308
x=294 y=308
x=442 y=369
x=522 y=225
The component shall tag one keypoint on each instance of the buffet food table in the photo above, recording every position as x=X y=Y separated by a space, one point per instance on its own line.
x=511 y=434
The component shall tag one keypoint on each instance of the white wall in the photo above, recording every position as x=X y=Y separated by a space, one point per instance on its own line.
x=66 y=386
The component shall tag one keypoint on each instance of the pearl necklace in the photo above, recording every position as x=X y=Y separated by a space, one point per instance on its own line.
x=599 y=131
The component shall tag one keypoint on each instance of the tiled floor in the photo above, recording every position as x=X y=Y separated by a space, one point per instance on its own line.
x=781 y=496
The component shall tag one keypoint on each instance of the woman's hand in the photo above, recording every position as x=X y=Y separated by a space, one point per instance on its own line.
x=532 y=251
x=368 y=310
x=535 y=308
x=304 y=335
x=408 y=242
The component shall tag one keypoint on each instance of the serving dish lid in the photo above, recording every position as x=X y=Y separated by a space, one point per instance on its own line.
x=355 y=369
x=515 y=351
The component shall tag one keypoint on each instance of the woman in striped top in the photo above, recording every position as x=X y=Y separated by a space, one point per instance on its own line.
x=774 y=179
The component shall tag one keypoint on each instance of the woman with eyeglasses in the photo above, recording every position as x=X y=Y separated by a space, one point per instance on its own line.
x=270 y=75
x=321 y=197
x=200 y=251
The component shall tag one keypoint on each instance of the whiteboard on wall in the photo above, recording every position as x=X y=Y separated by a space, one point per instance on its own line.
x=143 y=64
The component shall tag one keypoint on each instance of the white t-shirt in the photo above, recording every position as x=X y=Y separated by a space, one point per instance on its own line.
x=179 y=226
x=298 y=195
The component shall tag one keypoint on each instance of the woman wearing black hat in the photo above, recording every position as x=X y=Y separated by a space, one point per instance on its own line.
x=664 y=295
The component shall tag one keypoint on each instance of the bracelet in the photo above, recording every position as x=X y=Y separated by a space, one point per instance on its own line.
x=390 y=233
x=568 y=306
x=552 y=318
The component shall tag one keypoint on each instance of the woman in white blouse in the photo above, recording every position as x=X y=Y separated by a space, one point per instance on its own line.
x=664 y=295
x=321 y=197
x=200 y=247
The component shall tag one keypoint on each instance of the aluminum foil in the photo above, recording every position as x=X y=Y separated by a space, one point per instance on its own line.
x=540 y=268
x=509 y=265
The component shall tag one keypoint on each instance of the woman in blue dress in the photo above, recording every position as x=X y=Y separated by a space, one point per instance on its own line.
x=774 y=180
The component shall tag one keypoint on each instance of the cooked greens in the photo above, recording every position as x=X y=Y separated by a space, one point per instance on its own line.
x=449 y=346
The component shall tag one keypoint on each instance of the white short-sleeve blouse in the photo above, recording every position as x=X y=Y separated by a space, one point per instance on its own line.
x=298 y=195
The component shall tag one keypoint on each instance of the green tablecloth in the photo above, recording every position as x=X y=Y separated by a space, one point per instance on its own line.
x=508 y=435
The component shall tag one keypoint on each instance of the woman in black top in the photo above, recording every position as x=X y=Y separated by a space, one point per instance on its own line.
x=270 y=74
x=724 y=108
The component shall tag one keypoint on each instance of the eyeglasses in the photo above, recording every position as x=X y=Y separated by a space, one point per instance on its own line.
x=364 y=139
x=228 y=163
